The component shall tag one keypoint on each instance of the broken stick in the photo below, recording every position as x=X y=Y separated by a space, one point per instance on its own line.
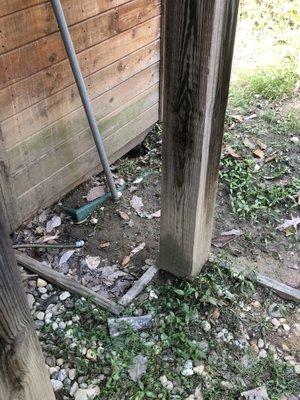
x=284 y=291
x=139 y=285
x=66 y=283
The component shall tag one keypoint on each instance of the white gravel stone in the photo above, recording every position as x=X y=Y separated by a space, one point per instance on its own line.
x=199 y=369
x=87 y=394
x=41 y=283
x=275 y=322
x=262 y=353
x=72 y=374
x=74 y=389
x=297 y=369
x=62 y=325
x=62 y=375
x=64 y=296
x=40 y=315
x=187 y=369
x=295 y=139
x=59 y=362
x=260 y=343
x=42 y=290
x=57 y=385
x=206 y=326
x=52 y=370
x=166 y=383
x=286 y=327
x=152 y=295
x=54 y=326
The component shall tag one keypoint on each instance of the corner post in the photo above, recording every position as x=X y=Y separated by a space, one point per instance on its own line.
x=198 y=48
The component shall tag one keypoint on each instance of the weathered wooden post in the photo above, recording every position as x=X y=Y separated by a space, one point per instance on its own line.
x=198 y=47
x=23 y=374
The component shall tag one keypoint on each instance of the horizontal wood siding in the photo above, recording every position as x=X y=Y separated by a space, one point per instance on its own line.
x=46 y=145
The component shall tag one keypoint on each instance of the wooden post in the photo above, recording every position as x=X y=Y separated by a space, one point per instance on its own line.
x=23 y=374
x=199 y=38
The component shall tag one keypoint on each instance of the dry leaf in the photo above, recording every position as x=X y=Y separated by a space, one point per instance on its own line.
x=232 y=126
x=294 y=222
x=125 y=261
x=54 y=222
x=226 y=237
x=229 y=150
x=139 y=367
x=137 y=203
x=96 y=192
x=237 y=118
x=46 y=239
x=258 y=153
x=124 y=215
x=255 y=394
x=66 y=256
x=216 y=313
x=104 y=244
x=249 y=143
x=156 y=214
x=92 y=262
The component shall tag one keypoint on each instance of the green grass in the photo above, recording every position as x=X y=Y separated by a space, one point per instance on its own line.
x=249 y=195
x=270 y=83
x=177 y=337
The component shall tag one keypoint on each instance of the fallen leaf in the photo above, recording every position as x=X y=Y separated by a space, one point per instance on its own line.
x=262 y=145
x=252 y=116
x=229 y=150
x=133 y=189
x=46 y=239
x=138 y=368
x=125 y=261
x=103 y=244
x=92 y=262
x=156 y=214
x=96 y=192
x=237 y=118
x=110 y=274
x=54 y=222
x=249 y=143
x=124 y=215
x=294 y=222
x=255 y=394
x=137 y=203
x=137 y=249
x=258 y=153
x=216 y=313
x=226 y=237
x=66 y=256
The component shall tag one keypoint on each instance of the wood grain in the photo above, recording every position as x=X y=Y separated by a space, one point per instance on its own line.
x=198 y=40
x=58 y=184
x=23 y=94
x=66 y=283
x=23 y=373
x=49 y=50
x=33 y=119
x=32 y=23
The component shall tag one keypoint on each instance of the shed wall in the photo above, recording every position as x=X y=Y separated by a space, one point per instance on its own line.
x=46 y=147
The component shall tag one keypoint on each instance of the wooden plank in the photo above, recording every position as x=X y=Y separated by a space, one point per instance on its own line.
x=23 y=373
x=285 y=291
x=139 y=286
x=35 y=22
x=199 y=38
x=17 y=97
x=75 y=122
x=49 y=50
x=7 y=193
x=55 y=186
x=11 y=6
x=33 y=119
x=62 y=281
x=78 y=144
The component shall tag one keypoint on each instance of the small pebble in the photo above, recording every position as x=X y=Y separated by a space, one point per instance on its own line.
x=275 y=322
x=206 y=326
x=57 y=385
x=297 y=369
x=72 y=374
x=286 y=327
x=40 y=315
x=74 y=389
x=260 y=343
x=41 y=283
x=199 y=369
x=59 y=362
x=94 y=221
x=262 y=353
x=64 y=296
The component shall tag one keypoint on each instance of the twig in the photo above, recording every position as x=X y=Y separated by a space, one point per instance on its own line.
x=66 y=283
x=139 y=285
x=76 y=245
